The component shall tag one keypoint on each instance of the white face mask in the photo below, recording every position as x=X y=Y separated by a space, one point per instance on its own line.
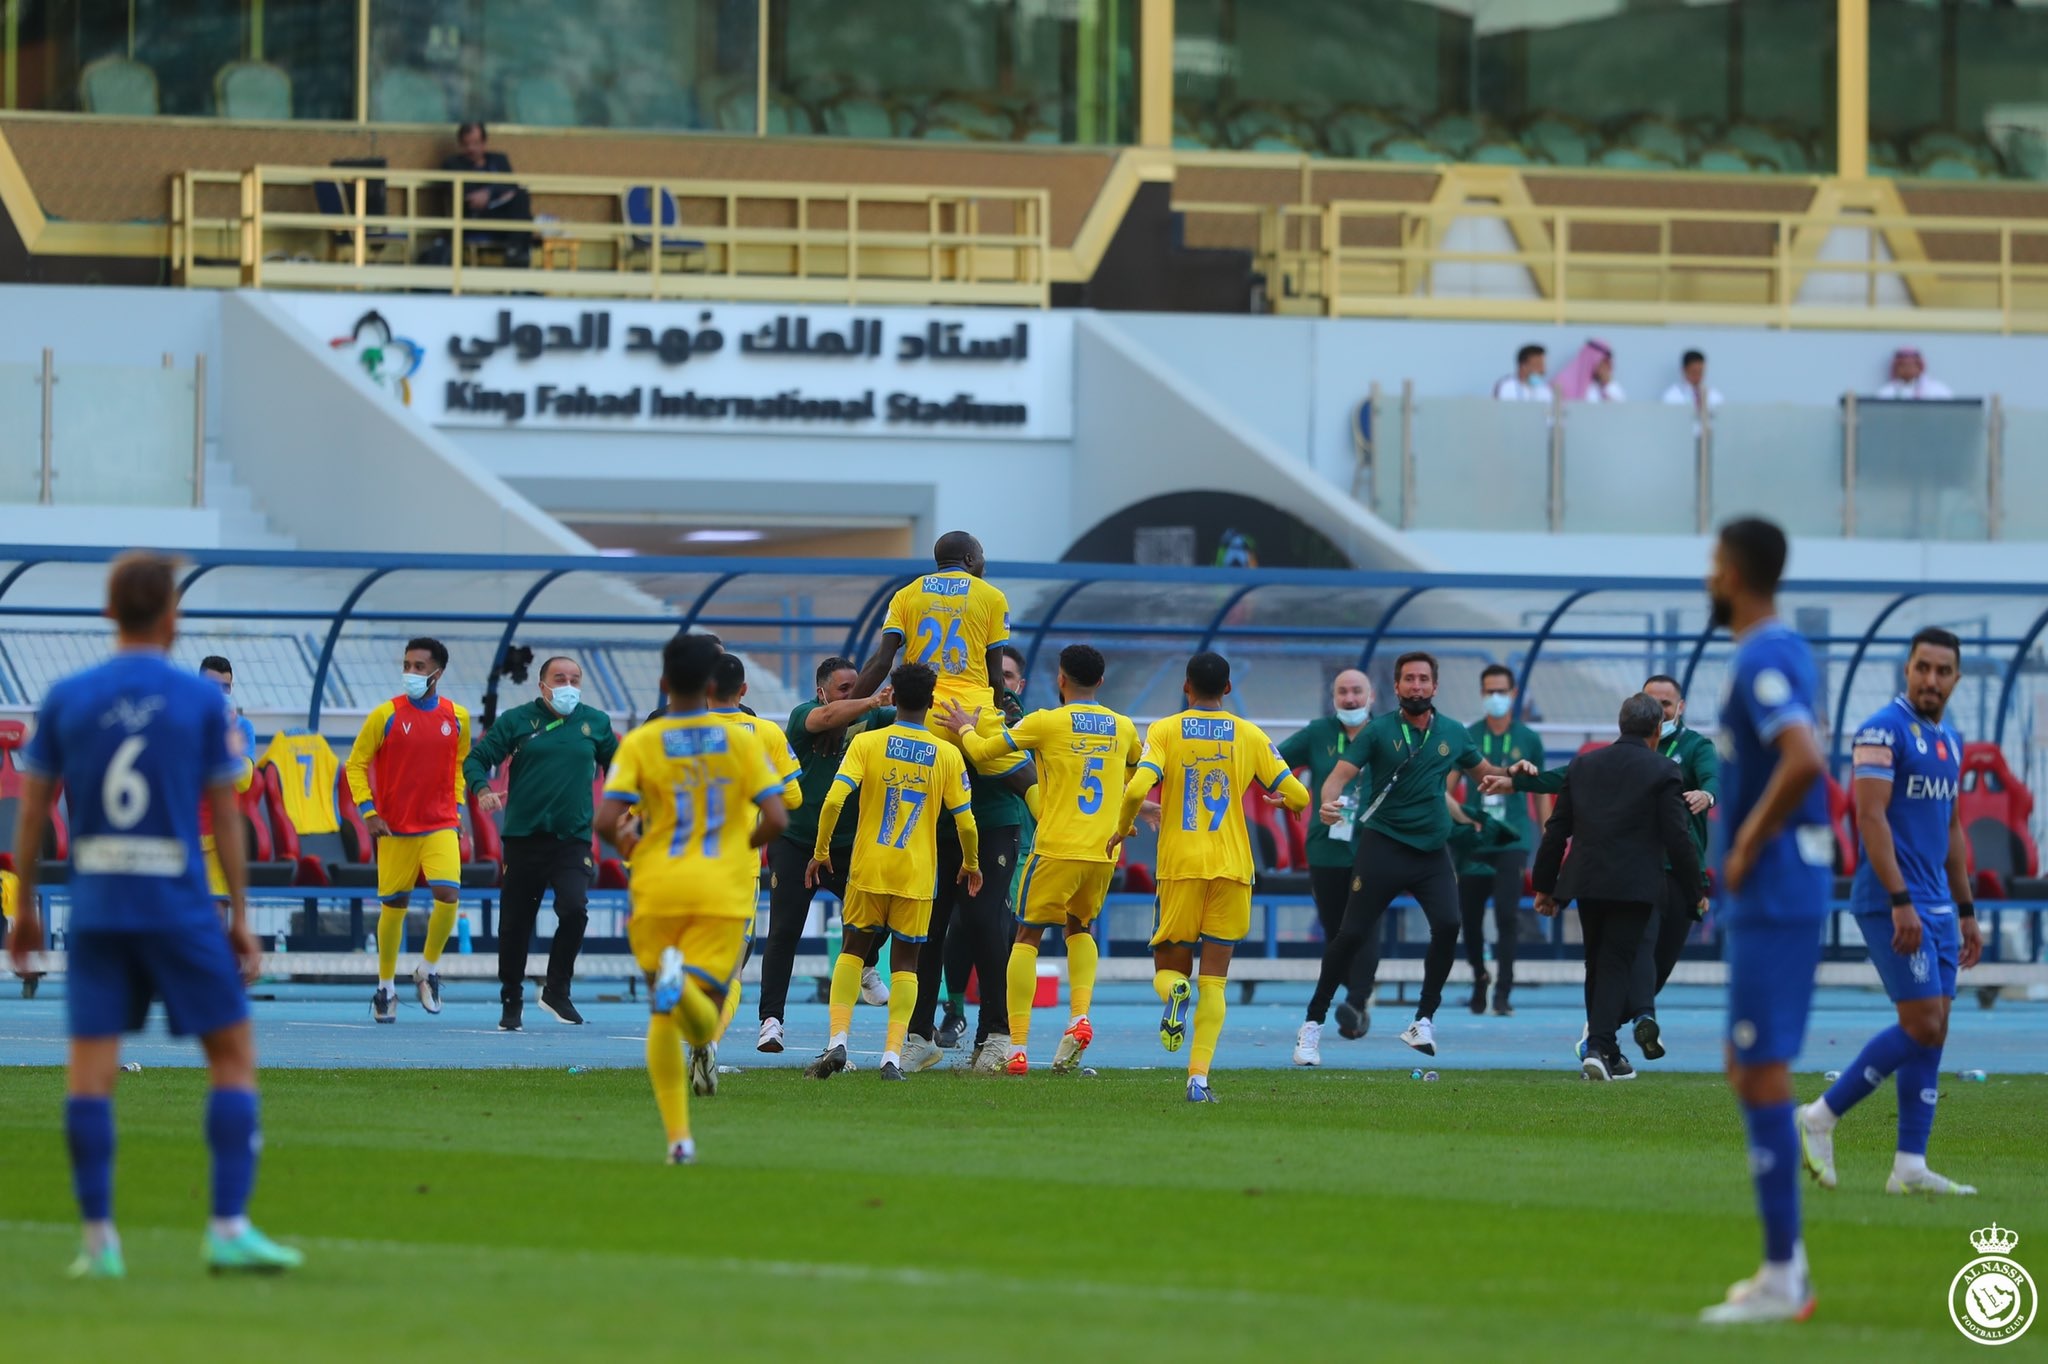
x=416 y=686
x=1351 y=719
x=564 y=699
x=1670 y=728
x=1499 y=703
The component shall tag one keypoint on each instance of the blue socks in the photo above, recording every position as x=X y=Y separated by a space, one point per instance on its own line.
x=231 y=1133
x=89 y=1130
x=1774 y=1165
x=1881 y=1055
x=1919 y=1079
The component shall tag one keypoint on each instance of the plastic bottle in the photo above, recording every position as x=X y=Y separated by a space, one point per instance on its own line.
x=462 y=934
x=1347 y=807
x=1429 y=1075
x=1975 y=1076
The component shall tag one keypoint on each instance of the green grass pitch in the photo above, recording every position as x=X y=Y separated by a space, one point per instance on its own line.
x=499 y=1215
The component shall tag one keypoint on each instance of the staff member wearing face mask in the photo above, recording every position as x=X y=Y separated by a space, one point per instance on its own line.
x=1497 y=875
x=561 y=746
x=1317 y=746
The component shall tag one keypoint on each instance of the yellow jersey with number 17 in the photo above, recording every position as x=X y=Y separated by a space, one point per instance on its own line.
x=949 y=620
x=907 y=782
x=694 y=779
x=1204 y=760
x=1085 y=753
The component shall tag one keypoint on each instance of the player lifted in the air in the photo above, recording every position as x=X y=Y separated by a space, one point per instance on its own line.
x=1912 y=901
x=1083 y=751
x=405 y=773
x=906 y=780
x=1775 y=877
x=140 y=746
x=1203 y=759
x=694 y=856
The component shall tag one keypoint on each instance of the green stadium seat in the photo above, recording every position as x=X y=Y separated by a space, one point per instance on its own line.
x=1724 y=159
x=1955 y=166
x=646 y=97
x=1501 y=153
x=118 y=85
x=854 y=115
x=252 y=90
x=541 y=100
x=1633 y=158
x=401 y=94
x=1562 y=140
x=1408 y=148
x=1655 y=136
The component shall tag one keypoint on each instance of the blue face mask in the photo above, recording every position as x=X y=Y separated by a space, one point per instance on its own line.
x=1670 y=728
x=564 y=700
x=416 y=686
x=1499 y=704
x=1352 y=719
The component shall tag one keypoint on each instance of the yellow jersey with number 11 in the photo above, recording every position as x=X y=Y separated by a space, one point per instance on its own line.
x=694 y=779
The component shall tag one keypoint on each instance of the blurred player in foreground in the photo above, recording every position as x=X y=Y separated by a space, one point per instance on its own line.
x=694 y=881
x=1912 y=901
x=895 y=858
x=139 y=745
x=1204 y=757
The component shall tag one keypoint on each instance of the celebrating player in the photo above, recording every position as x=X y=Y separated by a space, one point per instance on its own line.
x=1775 y=875
x=1084 y=750
x=694 y=884
x=895 y=858
x=1912 y=901
x=138 y=745
x=1205 y=757
x=405 y=773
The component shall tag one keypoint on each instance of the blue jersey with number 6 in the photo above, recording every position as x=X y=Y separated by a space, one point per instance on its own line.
x=136 y=742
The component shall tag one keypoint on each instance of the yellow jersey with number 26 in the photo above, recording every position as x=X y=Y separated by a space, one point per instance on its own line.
x=694 y=779
x=949 y=620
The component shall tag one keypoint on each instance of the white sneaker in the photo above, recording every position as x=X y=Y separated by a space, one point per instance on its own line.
x=771 y=1035
x=1308 y=1045
x=427 y=982
x=873 y=989
x=1593 y=1067
x=704 y=1070
x=668 y=982
x=994 y=1054
x=1758 y=1300
x=920 y=1053
x=1585 y=1042
x=1926 y=1182
x=1816 y=1147
x=682 y=1152
x=1421 y=1035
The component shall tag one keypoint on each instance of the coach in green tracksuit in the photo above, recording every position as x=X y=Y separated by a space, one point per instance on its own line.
x=1317 y=746
x=561 y=745
x=1496 y=874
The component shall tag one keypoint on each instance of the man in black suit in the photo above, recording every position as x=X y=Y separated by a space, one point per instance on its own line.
x=507 y=202
x=1623 y=811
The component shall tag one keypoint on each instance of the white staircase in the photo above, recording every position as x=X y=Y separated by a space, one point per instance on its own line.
x=243 y=524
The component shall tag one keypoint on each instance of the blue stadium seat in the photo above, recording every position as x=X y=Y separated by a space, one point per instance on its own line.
x=636 y=209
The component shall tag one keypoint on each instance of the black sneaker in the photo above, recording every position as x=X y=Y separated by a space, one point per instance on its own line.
x=509 y=1016
x=890 y=1071
x=1647 y=1034
x=1501 y=1007
x=1480 y=980
x=1353 y=1021
x=29 y=986
x=1618 y=1068
x=828 y=1064
x=559 y=1006
x=952 y=1028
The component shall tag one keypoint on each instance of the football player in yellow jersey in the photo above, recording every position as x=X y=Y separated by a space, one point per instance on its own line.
x=1205 y=758
x=955 y=623
x=894 y=870
x=1084 y=753
x=695 y=880
x=728 y=688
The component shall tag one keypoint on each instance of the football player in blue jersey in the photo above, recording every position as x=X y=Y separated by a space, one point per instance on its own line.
x=1912 y=901
x=1775 y=880
x=137 y=744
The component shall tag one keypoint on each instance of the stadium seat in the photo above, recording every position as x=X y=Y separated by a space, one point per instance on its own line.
x=478 y=871
x=1842 y=820
x=252 y=90
x=118 y=85
x=1355 y=131
x=609 y=871
x=636 y=209
x=338 y=198
x=1633 y=158
x=267 y=866
x=1654 y=136
x=1995 y=808
x=405 y=95
x=860 y=115
x=640 y=96
x=1407 y=148
x=1561 y=139
x=540 y=98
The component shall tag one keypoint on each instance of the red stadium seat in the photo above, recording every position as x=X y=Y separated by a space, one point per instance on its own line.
x=1995 y=807
x=1842 y=820
x=611 y=873
x=13 y=734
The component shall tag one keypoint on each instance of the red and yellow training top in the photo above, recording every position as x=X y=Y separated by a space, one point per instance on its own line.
x=406 y=764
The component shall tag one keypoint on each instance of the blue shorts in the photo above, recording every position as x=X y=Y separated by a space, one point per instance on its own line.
x=1772 y=941
x=115 y=976
x=1929 y=972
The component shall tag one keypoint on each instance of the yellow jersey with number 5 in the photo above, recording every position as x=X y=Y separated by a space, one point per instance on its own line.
x=1085 y=753
x=949 y=620
x=907 y=782
x=694 y=780
x=1204 y=760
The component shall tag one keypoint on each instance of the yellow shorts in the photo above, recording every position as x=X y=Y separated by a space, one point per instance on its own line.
x=990 y=725
x=908 y=919
x=216 y=879
x=712 y=945
x=1057 y=889
x=402 y=857
x=1191 y=912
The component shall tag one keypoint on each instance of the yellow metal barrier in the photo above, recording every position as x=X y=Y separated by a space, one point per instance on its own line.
x=730 y=240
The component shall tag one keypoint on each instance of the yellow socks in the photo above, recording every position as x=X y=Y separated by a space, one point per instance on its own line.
x=669 y=1075
x=845 y=990
x=390 y=939
x=902 y=1004
x=1209 y=1009
x=1163 y=982
x=1081 y=956
x=1023 y=983
x=440 y=924
x=732 y=1006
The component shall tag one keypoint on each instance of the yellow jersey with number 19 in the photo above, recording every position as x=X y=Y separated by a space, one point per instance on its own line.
x=690 y=777
x=1204 y=760
x=1085 y=753
x=907 y=782
x=949 y=620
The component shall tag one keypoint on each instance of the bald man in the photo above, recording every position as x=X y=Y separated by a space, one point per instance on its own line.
x=1317 y=746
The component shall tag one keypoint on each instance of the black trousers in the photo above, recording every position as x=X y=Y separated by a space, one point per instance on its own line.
x=535 y=864
x=1613 y=931
x=1331 y=887
x=985 y=919
x=1504 y=888
x=1663 y=940
x=789 y=904
x=1383 y=868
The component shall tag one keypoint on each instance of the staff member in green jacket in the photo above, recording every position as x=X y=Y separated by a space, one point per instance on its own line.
x=561 y=746
x=1317 y=746
x=1497 y=872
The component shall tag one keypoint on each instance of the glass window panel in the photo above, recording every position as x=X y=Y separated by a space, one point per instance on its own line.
x=1630 y=467
x=1959 y=91
x=121 y=435
x=1030 y=71
x=1920 y=470
x=1481 y=464
x=2023 y=503
x=21 y=433
x=1779 y=460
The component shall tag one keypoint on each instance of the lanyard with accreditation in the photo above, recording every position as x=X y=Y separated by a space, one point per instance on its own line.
x=1414 y=747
